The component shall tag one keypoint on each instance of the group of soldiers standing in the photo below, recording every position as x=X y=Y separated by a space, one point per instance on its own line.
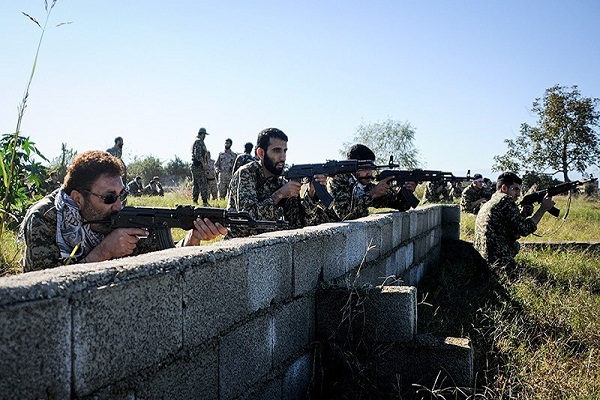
x=210 y=177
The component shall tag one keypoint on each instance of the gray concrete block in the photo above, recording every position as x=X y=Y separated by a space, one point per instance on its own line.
x=122 y=328
x=406 y=223
x=358 y=242
x=415 y=274
x=35 y=350
x=294 y=328
x=370 y=314
x=413 y=223
x=334 y=252
x=194 y=375
x=450 y=214
x=246 y=356
x=309 y=256
x=420 y=362
x=397 y=228
x=215 y=297
x=269 y=275
x=298 y=377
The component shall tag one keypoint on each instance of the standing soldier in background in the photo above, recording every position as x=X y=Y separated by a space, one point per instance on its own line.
x=244 y=158
x=224 y=168
x=211 y=176
x=199 y=168
x=117 y=149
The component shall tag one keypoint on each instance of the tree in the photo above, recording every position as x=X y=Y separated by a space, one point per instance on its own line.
x=146 y=167
x=388 y=138
x=177 y=170
x=564 y=139
x=60 y=163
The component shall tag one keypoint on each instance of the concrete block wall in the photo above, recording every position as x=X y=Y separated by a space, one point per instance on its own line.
x=230 y=320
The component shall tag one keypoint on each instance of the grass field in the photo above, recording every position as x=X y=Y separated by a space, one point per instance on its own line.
x=536 y=330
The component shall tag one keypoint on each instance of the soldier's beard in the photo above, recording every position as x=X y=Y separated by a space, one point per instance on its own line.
x=89 y=213
x=270 y=166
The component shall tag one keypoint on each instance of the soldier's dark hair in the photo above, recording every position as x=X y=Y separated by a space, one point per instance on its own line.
x=267 y=134
x=248 y=147
x=228 y=140
x=90 y=165
x=507 y=178
x=118 y=139
x=360 y=152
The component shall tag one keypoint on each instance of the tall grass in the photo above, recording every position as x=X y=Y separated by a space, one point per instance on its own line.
x=535 y=330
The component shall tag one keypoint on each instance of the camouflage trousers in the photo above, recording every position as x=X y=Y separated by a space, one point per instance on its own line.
x=199 y=184
x=224 y=180
x=212 y=188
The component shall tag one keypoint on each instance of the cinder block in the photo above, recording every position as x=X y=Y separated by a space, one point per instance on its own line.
x=215 y=297
x=194 y=375
x=298 y=377
x=334 y=252
x=414 y=223
x=35 y=350
x=246 y=356
x=373 y=314
x=397 y=227
x=450 y=214
x=414 y=275
x=309 y=256
x=406 y=224
x=269 y=275
x=294 y=328
x=358 y=242
x=122 y=328
x=420 y=362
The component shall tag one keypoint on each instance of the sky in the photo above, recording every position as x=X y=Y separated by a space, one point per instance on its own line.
x=464 y=74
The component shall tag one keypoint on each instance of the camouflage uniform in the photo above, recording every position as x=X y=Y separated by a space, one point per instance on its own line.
x=224 y=167
x=211 y=179
x=497 y=227
x=252 y=191
x=51 y=186
x=115 y=151
x=199 y=166
x=38 y=230
x=351 y=200
x=432 y=195
x=470 y=195
x=242 y=159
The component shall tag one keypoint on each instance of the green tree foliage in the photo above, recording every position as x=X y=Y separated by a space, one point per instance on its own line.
x=146 y=167
x=22 y=176
x=388 y=138
x=177 y=170
x=60 y=163
x=564 y=139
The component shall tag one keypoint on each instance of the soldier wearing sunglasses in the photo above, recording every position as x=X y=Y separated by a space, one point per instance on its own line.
x=56 y=230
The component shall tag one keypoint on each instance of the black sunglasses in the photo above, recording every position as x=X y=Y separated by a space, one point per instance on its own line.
x=111 y=198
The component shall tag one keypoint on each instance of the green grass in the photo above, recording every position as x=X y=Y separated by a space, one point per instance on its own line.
x=535 y=330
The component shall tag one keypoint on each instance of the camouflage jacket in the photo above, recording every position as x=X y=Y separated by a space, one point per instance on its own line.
x=432 y=195
x=199 y=151
x=470 y=195
x=242 y=159
x=225 y=160
x=38 y=230
x=498 y=225
x=251 y=190
x=351 y=201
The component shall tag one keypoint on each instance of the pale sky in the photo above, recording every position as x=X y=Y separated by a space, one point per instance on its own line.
x=464 y=74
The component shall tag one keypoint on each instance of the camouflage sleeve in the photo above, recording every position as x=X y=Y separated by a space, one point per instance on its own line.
x=41 y=250
x=467 y=199
x=520 y=225
x=244 y=196
x=346 y=204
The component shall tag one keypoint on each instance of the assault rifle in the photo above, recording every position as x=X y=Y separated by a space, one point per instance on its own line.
x=161 y=220
x=537 y=197
x=330 y=168
x=399 y=177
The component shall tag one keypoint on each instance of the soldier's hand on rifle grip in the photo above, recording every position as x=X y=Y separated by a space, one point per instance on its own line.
x=382 y=188
x=119 y=243
x=320 y=179
x=411 y=185
x=290 y=189
x=547 y=203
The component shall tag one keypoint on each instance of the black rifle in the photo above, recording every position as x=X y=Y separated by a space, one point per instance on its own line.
x=537 y=197
x=161 y=220
x=330 y=168
x=399 y=177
